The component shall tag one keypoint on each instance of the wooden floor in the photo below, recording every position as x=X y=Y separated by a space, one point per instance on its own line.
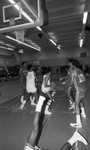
x=15 y=125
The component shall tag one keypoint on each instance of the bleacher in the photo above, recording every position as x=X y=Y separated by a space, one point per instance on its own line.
x=13 y=72
x=8 y=73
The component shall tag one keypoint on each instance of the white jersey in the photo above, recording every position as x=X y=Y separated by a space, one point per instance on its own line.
x=30 y=82
x=43 y=88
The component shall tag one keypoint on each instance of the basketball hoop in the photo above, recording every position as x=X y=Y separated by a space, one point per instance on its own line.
x=20 y=35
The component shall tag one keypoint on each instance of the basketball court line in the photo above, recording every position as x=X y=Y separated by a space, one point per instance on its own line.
x=10 y=98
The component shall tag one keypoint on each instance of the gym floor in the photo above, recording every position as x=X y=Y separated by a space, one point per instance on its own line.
x=15 y=125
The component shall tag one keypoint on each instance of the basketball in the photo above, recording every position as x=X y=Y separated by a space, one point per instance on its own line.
x=53 y=86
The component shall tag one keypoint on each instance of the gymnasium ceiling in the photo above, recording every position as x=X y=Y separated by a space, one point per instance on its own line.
x=63 y=24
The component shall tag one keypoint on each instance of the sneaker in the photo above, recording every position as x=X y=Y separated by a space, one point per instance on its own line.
x=29 y=147
x=80 y=138
x=22 y=105
x=47 y=112
x=76 y=125
x=72 y=106
x=21 y=100
x=83 y=115
x=37 y=148
x=70 y=101
x=53 y=93
x=33 y=104
x=32 y=99
x=74 y=112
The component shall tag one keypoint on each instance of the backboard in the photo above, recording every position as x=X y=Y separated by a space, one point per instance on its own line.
x=20 y=14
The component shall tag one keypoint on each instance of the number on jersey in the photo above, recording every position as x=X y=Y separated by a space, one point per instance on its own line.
x=81 y=78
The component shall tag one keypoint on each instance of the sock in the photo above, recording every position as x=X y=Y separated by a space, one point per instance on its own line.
x=31 y=98
x=78 y=119
x=48 y=105
x=40 y=104
x=82 y=110
x=22 y=97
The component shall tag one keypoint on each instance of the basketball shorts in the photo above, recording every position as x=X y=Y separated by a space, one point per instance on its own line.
x=31 y=89
x=81 y=94
x=46 y=89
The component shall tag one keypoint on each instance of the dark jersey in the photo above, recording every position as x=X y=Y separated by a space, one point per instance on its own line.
x=69 y=81
x=80 y=79
x=23 y=73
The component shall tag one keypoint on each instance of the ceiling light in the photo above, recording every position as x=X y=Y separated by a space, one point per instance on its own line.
x=32 y=43
x=21 y=51
x=85 y=17
x=9 y=37
x=53 y=42
x=7 y=48
x=11 y=49
x=81 y=42
x=39 y=28
x=9 y=45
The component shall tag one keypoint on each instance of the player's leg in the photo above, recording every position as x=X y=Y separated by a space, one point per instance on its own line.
x=78 y=116
x=49 y=102
x=23 y=98
x=22 y=94
x=82 y=107
x=33 y=136
x=47 y=112
x=69 y=95
x=23 y=84
x=32 y=139
x=73 y=93
x=71 y=101
x=34 y=97
x=75 y=137
x=35 y=94
x=49 y=95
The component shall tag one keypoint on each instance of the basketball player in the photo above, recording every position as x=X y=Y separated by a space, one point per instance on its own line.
x=23 y=74
x=44 y=95
x=79 y=82
x=46 y=88
x=68 y=83
x=31 y=85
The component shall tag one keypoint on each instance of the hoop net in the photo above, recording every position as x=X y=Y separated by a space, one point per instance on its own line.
x=19 y=33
